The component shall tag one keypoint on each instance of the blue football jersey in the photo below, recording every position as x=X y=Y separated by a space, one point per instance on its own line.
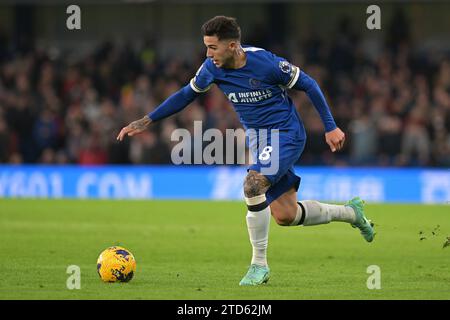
x=257 y=90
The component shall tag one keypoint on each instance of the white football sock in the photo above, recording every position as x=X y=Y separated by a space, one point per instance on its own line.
x=321 y=213
x=258 y=222
x=298 y=216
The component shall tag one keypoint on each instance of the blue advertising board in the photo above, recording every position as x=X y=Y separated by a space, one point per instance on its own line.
x=219 y=182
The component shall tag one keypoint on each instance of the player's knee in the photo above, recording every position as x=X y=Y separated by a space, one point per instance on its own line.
x=255 y=184
x=285 y=214
x=283 y=220
x=282 y=217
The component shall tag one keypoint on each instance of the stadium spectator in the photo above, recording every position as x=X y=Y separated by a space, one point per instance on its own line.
x=395 y=107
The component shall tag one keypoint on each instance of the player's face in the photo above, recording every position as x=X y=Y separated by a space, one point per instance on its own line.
x=221 y=52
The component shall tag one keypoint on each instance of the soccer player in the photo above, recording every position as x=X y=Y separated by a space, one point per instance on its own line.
x=255 y=81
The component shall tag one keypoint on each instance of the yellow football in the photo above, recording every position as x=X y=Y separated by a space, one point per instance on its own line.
x=116 y=264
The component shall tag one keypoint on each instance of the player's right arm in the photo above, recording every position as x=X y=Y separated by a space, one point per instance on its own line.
x=135 y=127
x=175 y=103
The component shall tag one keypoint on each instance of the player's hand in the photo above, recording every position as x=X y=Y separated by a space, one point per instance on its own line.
x=134 y=128
x=335 y=139
x=127 y=131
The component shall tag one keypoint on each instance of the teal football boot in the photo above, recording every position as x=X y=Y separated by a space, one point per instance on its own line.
x=362 y=223
x=256 y=275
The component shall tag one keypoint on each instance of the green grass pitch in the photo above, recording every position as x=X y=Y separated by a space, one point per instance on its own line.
x=200 y=250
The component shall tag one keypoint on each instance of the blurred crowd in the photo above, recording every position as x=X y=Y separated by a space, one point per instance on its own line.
x=394 y=107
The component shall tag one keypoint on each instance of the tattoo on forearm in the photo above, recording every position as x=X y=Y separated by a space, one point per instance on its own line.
x=141 y=124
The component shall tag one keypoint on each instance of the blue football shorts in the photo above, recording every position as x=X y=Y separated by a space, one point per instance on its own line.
x=275 y=160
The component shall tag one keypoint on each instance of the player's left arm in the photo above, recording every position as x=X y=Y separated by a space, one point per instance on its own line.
x=334 y=136
x=290 y=76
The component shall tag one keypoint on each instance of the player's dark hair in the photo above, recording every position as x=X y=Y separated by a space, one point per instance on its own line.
x=222 y=27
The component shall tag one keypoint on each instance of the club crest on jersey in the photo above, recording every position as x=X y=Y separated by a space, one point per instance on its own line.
x=285 y=66
x=254 y=83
